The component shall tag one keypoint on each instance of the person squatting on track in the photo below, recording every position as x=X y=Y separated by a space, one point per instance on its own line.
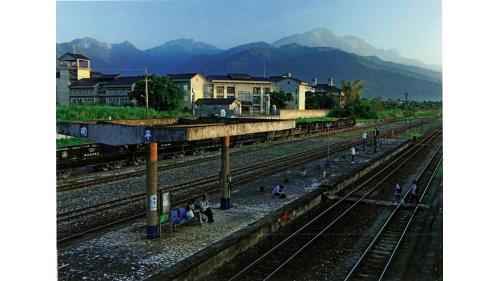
x=279 y=191
x=414 y=192
x=397 y=194
x=353 y=153
x=205 y=208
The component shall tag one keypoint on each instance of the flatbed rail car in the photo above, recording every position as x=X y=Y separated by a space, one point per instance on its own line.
x=105 y=157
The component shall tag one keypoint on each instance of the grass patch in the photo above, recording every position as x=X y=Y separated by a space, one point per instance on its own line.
x=315 y=119
x=72 y=142
x=434 y=186
x=104 y=112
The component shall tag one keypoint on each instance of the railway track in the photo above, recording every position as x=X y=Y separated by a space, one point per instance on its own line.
x=76 y=185
x=267 y=265
x=142 y=172
x=209 y=184
x=241 y=175
x=376 y=259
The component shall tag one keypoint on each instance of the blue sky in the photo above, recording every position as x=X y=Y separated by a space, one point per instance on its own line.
x=413 y=27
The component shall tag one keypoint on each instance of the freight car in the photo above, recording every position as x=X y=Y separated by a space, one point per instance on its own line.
x=105 y=157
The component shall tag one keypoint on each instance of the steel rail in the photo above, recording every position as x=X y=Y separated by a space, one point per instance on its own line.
x=72 y=186
x=254 y=169
x=409 y=222
x=184 y=200
x=427 y=138
x=388 y=221
x=132 y=174
x=334 y=221
x=298 y=158
x=63 y=240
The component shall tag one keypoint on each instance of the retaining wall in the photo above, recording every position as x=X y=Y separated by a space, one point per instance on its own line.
x=295 y=113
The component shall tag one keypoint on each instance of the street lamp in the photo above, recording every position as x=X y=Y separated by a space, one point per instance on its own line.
x=406 y=113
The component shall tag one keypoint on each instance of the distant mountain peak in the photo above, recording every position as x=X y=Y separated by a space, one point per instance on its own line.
x=323 y=37
x=88 y=42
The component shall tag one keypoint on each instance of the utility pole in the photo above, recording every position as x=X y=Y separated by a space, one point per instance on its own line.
x=406 y=113
x=147 y=95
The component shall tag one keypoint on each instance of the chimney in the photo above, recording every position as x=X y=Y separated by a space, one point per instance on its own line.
x=330 y=82
x=287 y=75
x=315 y=81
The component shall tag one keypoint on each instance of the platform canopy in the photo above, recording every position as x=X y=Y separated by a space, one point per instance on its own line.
x=138 y=131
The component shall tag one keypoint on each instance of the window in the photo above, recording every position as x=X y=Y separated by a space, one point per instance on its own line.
x=185 y=87
x=267 y=90
x=244 y=96
x=256 y=90
x=256 y=109
x=208 y=91
x=230 y=91
x=220 y=92
x=256 y=100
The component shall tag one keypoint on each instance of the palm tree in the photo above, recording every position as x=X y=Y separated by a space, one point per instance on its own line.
x=356 y=90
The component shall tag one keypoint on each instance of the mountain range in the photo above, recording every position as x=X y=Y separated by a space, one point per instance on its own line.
x=316 y=54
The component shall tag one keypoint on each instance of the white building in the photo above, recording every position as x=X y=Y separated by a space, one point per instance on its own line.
x=296 y=87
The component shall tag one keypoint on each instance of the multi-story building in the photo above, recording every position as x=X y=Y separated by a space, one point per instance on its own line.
x=296 y=87
x=329 y=89
x=70 y=68
x=76 y=83
x=251 y=92
x=193 y=86
x=111 y=89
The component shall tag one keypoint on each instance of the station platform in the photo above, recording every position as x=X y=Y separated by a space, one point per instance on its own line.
x=124 y=253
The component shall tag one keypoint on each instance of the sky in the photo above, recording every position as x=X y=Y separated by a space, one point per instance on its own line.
x=413 y=27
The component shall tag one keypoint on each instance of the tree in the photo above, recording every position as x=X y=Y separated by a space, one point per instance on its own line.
x=320 y=101
x=280 y=99
x=352 y=91
x=163 y=93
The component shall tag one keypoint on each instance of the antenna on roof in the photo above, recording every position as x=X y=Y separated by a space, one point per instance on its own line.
x=74 y=50
x=264 y=70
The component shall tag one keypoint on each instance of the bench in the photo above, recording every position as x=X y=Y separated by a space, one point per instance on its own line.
x=178 y=217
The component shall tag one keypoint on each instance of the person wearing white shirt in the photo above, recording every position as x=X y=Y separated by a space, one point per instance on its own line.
x=204 y=206
x=353 y=152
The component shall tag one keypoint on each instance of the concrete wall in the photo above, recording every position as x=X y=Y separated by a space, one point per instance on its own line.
x=120 y=134
x=203 y=263
x=310 y=113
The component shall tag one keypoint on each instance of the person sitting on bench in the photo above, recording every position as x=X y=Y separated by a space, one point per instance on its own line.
x=205 y=208
x=191 y=208
x=279 y=191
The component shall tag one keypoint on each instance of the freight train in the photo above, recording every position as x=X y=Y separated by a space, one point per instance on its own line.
x=106 y=157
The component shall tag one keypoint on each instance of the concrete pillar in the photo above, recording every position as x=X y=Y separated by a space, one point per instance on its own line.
x=261 y=100
x=151 y=191
x=268 y=104
x=224 y=174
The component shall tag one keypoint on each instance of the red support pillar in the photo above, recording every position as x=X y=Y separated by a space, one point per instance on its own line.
x=151 y=191
x=224 y=173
